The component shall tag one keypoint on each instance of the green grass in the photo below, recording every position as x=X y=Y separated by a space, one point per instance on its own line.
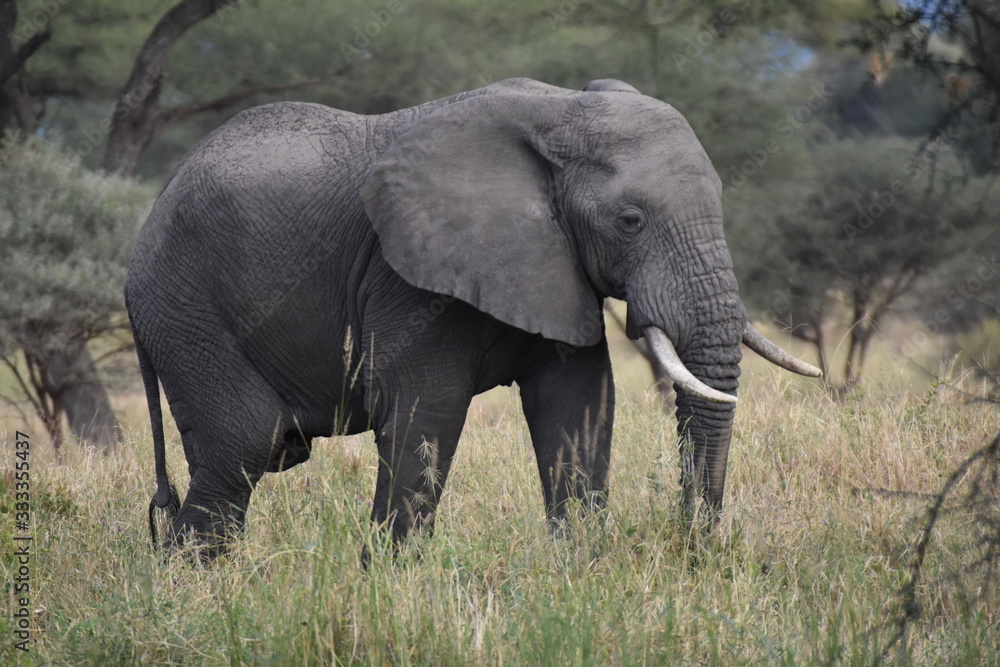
x=806 y=567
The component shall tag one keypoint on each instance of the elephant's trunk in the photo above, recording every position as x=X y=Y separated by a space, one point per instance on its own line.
x=690 y=305
x=705 y=429
x=705 y=422
x=706 y=395
x=705 y=426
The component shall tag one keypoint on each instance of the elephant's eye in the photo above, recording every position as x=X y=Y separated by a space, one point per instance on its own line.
x=630 y=222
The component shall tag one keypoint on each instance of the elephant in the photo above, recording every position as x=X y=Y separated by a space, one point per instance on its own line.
x=309 y=272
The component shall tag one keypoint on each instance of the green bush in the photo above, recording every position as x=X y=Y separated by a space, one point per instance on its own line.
x=66 y=234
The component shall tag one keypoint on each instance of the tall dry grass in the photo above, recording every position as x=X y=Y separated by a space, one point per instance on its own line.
x=826 y=502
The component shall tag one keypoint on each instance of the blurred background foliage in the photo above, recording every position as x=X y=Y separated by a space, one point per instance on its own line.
x=65 y=239
x=814 y=114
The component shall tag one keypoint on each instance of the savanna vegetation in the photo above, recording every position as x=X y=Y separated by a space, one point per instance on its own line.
x=827 y=508
x=859 y=147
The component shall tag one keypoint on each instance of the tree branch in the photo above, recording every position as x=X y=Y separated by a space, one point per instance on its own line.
x=900 y=284
x=110 y=353
x=24 y=387
x=14 y=64
x=134 y=119
x=909 y=610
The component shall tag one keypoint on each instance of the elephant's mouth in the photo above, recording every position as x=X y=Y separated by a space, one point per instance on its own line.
x=667 y=355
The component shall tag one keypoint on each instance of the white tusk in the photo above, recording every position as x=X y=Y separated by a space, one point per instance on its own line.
x=678 y=372
x=755 y=341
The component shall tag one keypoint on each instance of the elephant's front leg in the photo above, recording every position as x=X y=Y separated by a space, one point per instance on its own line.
x=569 y=405
x=416 y=443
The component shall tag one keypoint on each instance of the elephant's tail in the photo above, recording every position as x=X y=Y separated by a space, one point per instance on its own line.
x=166 y=495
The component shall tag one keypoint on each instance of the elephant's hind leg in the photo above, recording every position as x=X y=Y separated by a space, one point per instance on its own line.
x=232 y=430
x=213 y=512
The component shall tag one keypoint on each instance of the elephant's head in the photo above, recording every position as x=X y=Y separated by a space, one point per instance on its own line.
x=532 y=203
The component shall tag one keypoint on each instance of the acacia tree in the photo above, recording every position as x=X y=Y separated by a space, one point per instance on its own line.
x=708 y=59
x=65 y=235
x=61 y=377
x=857 y=230
x=64 y=380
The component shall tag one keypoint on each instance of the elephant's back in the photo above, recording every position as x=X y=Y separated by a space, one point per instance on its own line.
x=286 y=140
x=268 y=193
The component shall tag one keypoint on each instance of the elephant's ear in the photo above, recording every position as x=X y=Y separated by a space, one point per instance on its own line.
x=462 y=202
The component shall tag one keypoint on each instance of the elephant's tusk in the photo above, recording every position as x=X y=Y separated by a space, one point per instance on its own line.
x=678 y=372
x=755 y=341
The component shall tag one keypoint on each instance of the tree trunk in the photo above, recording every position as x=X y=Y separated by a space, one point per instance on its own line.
x=861 y=336
x=47 y=402
x=70 y=379
x=53 y=426
x=74 y=382
x=135 y=120
x=861 y=332
x=819 y=340
x=810 y=330
x=15 y=103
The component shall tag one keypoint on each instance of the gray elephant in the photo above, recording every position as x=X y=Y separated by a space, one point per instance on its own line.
x=308 y=271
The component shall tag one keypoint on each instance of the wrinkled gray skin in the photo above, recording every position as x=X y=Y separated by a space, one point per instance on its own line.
x=455 y=246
